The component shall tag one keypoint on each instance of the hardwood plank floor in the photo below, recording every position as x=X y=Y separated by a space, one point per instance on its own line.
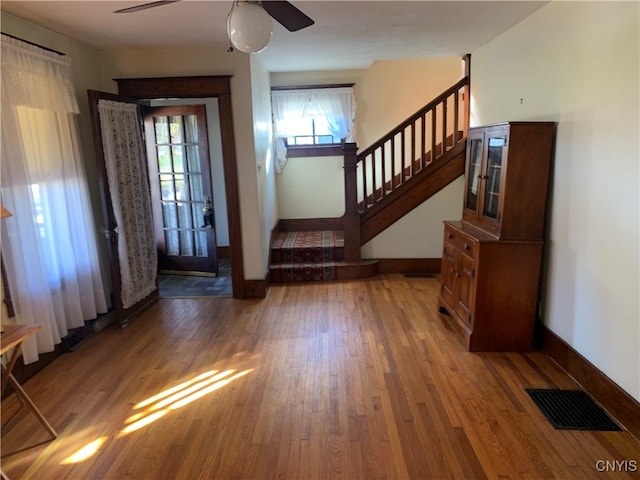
x=344 y=380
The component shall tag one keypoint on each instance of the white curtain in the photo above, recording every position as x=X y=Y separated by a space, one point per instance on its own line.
x=336 y=105
x=130 y=198
x=49 y=244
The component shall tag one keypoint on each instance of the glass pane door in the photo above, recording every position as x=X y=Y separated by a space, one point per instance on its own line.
x=473 y=173
x=180 y=178
x=494 y=165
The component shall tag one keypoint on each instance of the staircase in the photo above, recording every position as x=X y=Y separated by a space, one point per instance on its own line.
x=312 y=256
x=383 y=183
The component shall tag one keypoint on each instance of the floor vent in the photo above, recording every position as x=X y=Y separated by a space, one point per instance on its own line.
x=571 y=410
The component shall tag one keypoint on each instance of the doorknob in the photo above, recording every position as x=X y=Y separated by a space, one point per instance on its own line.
x=109 y=232
x=207 y=213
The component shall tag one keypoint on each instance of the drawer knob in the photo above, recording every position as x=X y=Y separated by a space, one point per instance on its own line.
x=467 y=246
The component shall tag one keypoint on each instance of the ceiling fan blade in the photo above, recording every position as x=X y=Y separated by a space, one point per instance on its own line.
x=144 y=6
x=287 y=15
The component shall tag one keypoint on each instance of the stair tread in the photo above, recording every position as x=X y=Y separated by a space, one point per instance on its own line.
x=332 y=263
x=310 y=239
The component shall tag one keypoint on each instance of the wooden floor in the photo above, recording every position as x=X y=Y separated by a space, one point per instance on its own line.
x=347 y=380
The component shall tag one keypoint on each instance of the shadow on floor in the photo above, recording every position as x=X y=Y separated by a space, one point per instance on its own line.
x=189 y=286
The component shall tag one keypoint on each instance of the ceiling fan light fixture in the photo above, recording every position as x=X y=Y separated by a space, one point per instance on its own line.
x=249 y=27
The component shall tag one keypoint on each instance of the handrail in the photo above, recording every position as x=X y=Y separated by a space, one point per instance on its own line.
x=461 y=83
x=398 y=156
x=411 y=146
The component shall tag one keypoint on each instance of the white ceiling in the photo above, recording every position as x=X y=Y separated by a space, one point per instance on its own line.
x=346 y=34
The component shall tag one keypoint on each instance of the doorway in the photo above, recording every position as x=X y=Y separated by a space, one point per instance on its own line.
x=206 y=87
x=181 y=191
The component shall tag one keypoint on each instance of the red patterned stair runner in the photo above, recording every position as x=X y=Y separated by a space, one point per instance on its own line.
x=305 y=256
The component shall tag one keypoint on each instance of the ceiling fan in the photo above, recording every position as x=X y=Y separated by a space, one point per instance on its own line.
x=285 y=13
x=249 y=25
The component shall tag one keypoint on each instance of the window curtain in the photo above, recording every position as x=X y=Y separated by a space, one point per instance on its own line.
x=130 y=199
x=49 y=244
x=336 y=105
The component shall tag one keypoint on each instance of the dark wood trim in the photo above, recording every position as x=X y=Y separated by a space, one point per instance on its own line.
x=467 y=93
x=256 y=288
x=308 y=224
x=414 y=266
x=311 y=87
x=6 y=291
x=181 y=87
x=35 y=44
x=357 y=270
x=222 y=252
x=204 y=87
x=605 y=391
x=412 y=119
x=303 y=151
x=351 y=220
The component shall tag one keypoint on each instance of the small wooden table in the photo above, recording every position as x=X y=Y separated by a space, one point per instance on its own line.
x=13 y=336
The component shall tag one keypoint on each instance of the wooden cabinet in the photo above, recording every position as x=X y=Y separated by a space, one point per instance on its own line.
x=507 y=178
x=490 y=287
x=491 y=259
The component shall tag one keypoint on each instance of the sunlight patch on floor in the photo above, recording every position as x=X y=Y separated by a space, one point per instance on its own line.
x=86 y=452
x=159 y=405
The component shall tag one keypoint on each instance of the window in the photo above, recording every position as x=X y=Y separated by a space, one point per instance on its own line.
x=49 y=246
x=312 y=130
x=312 y=121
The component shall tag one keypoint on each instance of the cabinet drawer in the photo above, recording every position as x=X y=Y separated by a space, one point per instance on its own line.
x=460 y=241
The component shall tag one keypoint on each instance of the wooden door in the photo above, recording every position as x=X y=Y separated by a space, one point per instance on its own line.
x=181 y=192
x=116 y=234
x=447 y=275
x=465 y=288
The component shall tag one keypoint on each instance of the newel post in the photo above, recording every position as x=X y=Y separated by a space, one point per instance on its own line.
x=351 y=219
x=467 y=92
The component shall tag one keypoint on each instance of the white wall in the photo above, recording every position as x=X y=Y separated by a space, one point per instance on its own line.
x=419 y=233
x=577 y=63
x=392 y=90
x=264 y=154
x=311 y=187
x=209 y=61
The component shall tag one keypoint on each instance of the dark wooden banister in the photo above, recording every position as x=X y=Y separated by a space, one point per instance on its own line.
x=361 y=169
x=412 y=119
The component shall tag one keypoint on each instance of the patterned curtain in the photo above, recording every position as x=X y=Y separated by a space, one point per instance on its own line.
x=129 y=189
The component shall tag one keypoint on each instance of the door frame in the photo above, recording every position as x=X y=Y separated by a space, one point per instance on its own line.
x=176 y=263
x=217 y=86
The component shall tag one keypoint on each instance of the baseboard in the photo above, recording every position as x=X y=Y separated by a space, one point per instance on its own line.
x=256 y=288
x=620 y=405
x=309 y=224
x=410 y=265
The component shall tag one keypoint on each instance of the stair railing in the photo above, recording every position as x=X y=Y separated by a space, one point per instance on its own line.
x=408 y=149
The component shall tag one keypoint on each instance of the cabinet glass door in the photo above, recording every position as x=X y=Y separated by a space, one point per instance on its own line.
x=495 y=159
x=474 y=164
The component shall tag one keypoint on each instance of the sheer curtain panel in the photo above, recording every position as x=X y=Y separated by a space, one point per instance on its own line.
x=336 y=105
x=49 y=244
